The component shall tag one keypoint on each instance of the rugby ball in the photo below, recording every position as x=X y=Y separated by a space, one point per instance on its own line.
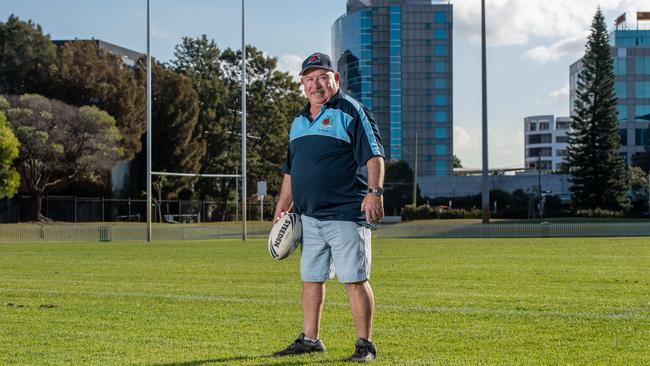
x=285 y=236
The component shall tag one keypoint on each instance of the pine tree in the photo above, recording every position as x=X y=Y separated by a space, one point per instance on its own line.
x=26 y=54
x=598 y=172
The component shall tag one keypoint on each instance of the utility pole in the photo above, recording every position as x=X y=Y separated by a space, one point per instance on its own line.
x=148 y=96
x=244 y=234
x=484 y=181
x=415 y=172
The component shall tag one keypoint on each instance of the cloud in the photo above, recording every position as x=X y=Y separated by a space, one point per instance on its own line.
x=516 y=22
x=572 y=46
x=507 y=147
x=291 y=63
x=561 y=93
x=466 y=147
x=462 y=139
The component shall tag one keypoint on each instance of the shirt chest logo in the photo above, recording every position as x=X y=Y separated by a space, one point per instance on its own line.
x=326 y=124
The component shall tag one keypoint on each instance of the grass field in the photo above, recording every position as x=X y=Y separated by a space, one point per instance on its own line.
x=448 y=302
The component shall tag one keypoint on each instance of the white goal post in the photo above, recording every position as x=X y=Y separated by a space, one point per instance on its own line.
x=243 y=131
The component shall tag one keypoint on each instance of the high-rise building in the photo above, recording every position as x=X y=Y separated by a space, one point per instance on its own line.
x=395 y=56
x=546 y=142
x=631 y=52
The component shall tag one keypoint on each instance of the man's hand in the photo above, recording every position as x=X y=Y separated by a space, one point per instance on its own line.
x=279 y=212
x=373 y=206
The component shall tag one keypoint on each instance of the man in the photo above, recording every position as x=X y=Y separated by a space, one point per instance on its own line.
x=334 y=176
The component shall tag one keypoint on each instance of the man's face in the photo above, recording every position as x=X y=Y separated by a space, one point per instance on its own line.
x=320 y=85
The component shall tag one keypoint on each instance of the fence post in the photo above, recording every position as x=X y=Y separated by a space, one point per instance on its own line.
x=47 y=206
x=75 y=208
x=102 y=208
x=180 y=210
x=128 y=216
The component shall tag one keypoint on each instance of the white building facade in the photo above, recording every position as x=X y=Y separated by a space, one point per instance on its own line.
x=546 y=142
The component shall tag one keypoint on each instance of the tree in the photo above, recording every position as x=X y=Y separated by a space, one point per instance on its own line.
x=273 y=100
x=60 y=143
x=9 y=177
x=199 y=60
x=176 y=146
x=26 y=55
x=598 y=172
x=457 y=162
x=84 y=74
x=398 y=184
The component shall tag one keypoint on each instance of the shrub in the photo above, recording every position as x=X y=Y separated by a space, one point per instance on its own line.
x=599 y=213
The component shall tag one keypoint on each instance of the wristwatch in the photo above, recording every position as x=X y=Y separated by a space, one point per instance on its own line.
x=379 y=191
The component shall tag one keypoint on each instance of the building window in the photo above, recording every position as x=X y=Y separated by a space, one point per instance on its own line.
x=440 y=67
x=440 y=167
x=544 y=126
x=620 y=66
x=561 y=153
x=621 y=89
x=440 y=133
x=440 y=117
x=440 y=149
x=532 y=126
x=534 y=152
x=540 y=139
x=440 y=100
x=642 y=89
x=562 y=125
x=641 y=111
x=440 y=50
x=439 y=17
x=562 y=139
x=440 y=34
x=639 y=136
x=642 y=65
x=440 y=83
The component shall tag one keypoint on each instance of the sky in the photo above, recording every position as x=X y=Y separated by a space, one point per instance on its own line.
x=531 y=44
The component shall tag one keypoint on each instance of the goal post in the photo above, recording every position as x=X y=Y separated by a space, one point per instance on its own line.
x=243 y=131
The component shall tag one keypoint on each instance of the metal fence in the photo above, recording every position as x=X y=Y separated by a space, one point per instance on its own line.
x=258 y=230
x=99 y=209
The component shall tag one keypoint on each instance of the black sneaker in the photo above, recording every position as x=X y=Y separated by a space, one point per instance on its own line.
x=365 y=351
x=300 y=346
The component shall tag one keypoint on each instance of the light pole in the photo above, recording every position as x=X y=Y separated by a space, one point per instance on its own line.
x=484 y=181
x=149 y=234
x=243 y=124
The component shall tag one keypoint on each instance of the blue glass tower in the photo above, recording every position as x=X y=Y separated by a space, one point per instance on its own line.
x=395 y=56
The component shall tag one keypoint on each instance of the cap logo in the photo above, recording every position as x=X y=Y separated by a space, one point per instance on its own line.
x=314 y=58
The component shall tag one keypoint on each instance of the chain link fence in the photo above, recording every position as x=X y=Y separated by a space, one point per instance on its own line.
x=99 y=209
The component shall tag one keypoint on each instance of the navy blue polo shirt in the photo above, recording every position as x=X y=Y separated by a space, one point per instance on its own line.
x=327 y=159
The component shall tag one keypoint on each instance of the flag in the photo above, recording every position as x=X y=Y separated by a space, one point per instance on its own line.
x=643 y=15
x=620 y=19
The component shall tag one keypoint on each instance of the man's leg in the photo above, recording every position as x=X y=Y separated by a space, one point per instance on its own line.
x=362 y=304
x=313 y=298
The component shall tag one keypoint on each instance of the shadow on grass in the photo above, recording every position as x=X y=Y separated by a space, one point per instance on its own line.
x=280 y=361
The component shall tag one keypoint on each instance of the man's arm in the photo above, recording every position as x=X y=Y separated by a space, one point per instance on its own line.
x=372 y=204
x=285 y=200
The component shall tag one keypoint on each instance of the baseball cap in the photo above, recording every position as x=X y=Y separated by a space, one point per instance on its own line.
x=317 y=60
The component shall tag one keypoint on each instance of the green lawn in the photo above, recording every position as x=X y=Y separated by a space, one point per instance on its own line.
x=449 y=302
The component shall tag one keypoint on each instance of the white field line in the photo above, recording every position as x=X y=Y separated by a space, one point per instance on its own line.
x=641 y=314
